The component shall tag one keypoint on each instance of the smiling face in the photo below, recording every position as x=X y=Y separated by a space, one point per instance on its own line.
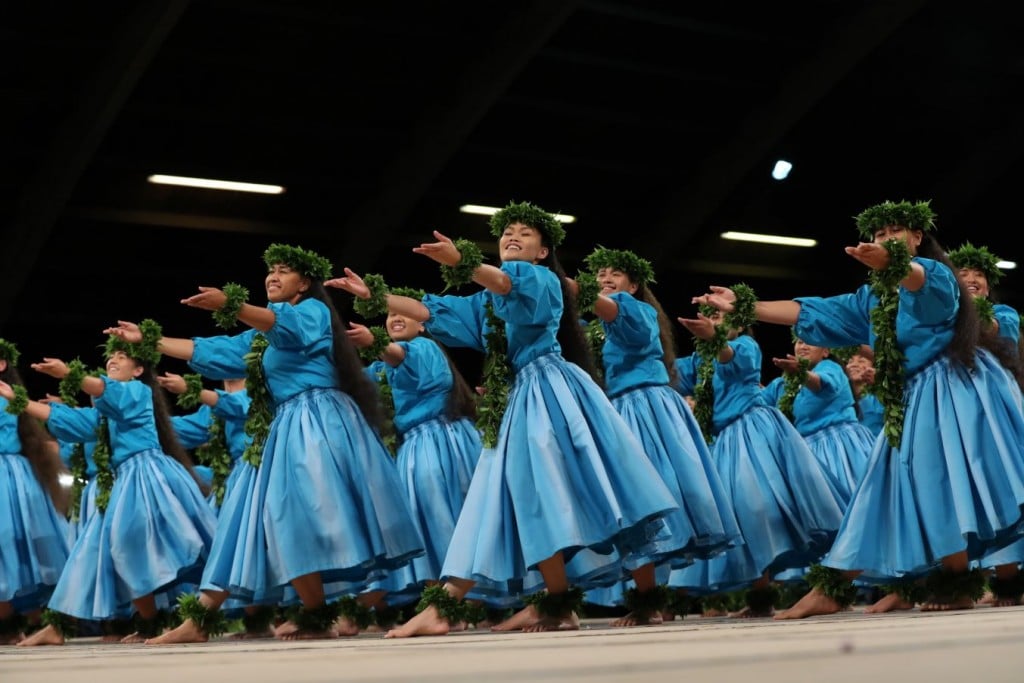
x=613 y=280
x=285 y=284
x=814 y=354
x=975 y=281
x=898 y=232
x=401 y=328
x=522 y=243
x=122 y=368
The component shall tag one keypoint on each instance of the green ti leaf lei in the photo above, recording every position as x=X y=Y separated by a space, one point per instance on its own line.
x=986 y=311
x=462 y=272
x=216 y=455
x=704 y=389
x=387 y=400
x=595 y=334
x=257 y=422
x=69 y=388
x=889 y=370
x=101 y=455
x=497 y=379
x=381 y=341
x=792 y=383
x=227 y=316
x=18 y=404
x=191 y=397
x=377 y=304
x=587 y=292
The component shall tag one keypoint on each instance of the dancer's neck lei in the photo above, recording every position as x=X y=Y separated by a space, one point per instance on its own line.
x=708 y=350
x=257 y=422
x=69 y=388
x=792 y=382
x=889 y=358
x=215 y=453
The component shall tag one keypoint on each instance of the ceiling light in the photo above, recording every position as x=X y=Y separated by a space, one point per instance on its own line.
x=1006 y=265
x=491 y=210
x=65 y=480
x=769 y=239
x=782 y=169
x=209 y=184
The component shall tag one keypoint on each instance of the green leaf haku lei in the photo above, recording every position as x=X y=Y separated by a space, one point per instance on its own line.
x=531 y=215
x=913 y=215
x=639 y=270
x=381 y=341
x=216 y=455
x=377 y=304
x=977 y=258
x=792 y=383
x=191 y=397
x=227 y=316
x=888 y=356
x=306 y=262
x=257 y=422
x=68 y=389
x=497 y=378
x=9 y=352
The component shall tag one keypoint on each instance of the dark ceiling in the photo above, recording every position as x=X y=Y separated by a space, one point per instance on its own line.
x=656 y=123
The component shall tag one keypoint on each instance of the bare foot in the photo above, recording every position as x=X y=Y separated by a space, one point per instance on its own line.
x=188 y=632
x=346 y=627
x=459 y=626
x=12 y=638
x=111 y=638
x=714 y=613
x=1006 y=602
x=668 y=616
x=426 y=623
x=566 y=623
x=133 y=638
x=289 y=631
x=750 y=613
x=812 y=604
x=889 y=603
x=524 y=617
x=959 y=603
x=988 y=598
x=47 y=635
x=635 y=619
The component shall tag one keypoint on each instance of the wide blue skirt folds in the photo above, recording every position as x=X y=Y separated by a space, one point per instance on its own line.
x=326 y=498
x=843 y=450
x=955 y=483
x=567 y=475
x=788 y=506
x=152 y=538
x=33 y=537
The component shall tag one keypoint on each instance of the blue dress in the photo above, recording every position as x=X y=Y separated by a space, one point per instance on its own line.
x=828 y=422
x=956 y=482
x=33 y=535
x=637 y=382
x=326 y=497
x=87 y=499
x=435 y=460
x=193 y=431
x=872 y=413
x=567 y=474
x=156 y=531
x=787 y=504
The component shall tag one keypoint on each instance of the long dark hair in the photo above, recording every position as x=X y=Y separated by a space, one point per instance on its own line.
x=575 y=348
x=352 y=380
x=968 y=332
x=39 y=447
x=164 y=427
x=668 y=339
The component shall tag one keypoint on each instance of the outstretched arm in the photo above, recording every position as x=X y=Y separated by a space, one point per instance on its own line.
x=40 y=411
x=401 y=305
x=782 y=312
x=444 y=252
x=213 y=299
x=169 y=346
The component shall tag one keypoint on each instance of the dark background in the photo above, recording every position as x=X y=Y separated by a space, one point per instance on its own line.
x=657 y=123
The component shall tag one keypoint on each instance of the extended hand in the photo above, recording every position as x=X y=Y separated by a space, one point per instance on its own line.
x=172 y=383
x=50 y=398
x=360 y=335
x=874 y=256
x=788 y=364
x=351 y=283
x=54 y=367
x=701 y=327
x=125 y=331
x=443 y=250
x=208 y=299
x=721 y=298
x=6 y=390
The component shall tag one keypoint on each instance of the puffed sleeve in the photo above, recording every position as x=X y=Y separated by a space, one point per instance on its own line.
x=74 y=425
x=746 y=356
x=833 y=379
x=193 y=430
x=298 y=327
x=125 y=401
x=842 y=320
x=1009 y=322
x=457 y=320
x=686 y=368
x=635 y=323
x=535 y=293
x=221 y=357
x=232 y=405
x=425 y=367
x=773 y=391
x=937 y=301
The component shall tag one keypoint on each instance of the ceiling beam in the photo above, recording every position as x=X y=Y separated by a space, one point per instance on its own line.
x=441 y=130
x=76 y=140
x=708 y=186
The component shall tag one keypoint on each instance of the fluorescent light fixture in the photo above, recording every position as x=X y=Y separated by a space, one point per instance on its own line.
x=210 y=184
x=782 y=169
x=491 y=210
x=1006 y=265
x=769 y=239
